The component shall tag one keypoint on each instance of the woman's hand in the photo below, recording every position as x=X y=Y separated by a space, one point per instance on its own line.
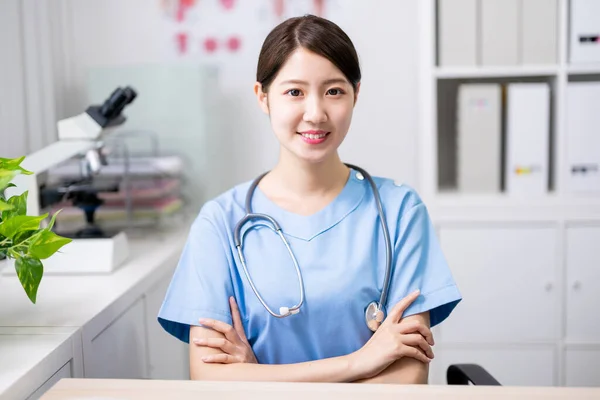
x=235 y=346
x=392 y=341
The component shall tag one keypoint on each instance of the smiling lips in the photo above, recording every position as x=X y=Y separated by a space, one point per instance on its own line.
x=314 y=136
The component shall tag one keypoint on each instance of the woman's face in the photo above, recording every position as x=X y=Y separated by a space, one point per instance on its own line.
x=310 y=104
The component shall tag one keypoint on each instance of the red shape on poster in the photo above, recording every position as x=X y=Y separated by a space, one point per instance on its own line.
x=278 y=7
x=210 y=45
x=319 y=4
x=182 y=42
x=182 y=7
x=233 y=43
x=228 y=4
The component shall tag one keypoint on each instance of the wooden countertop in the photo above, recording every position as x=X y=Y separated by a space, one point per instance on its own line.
x=81 y=389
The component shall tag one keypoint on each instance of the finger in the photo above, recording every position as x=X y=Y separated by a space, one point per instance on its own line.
x=417 y=340
x=237 y=319
x=219 y=359
x=415 y=326
x=222 y=327
x=402 y=305
x=217 y=343
x=412 y=352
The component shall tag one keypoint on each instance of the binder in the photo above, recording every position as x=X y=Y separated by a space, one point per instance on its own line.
x=539 y=31
x=585 y=31
x=499 y=32
x=583 y=136
x=457 y=32
x=479 y=138
x=527 y=138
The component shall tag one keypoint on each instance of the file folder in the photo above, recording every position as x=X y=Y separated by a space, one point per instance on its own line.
x=457 y=32
x=539 y=30
x=479 y=138
x=583 y=136
x=585 y=31
x=527 y=138
x=499 y=32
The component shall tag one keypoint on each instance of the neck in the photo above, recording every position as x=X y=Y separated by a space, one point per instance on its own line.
x=304 y=179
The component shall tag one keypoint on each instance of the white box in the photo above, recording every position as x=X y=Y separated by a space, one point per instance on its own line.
x=527 y=138
x=583 y=136
x=457 y=32
x=479 y=138
x=585 y=32
x=539 y=32
x=85 y=257
x=499 y=32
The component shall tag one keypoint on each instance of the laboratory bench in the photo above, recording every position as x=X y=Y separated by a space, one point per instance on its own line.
x=93 y=326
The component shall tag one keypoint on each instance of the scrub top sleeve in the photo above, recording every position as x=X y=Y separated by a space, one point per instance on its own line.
x=201 y=285
x=420 y=264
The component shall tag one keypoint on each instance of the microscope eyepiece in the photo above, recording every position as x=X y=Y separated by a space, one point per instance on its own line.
x=117 y=101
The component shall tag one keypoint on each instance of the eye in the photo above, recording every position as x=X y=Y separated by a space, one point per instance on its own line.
x=294 y=92
x=335 y=91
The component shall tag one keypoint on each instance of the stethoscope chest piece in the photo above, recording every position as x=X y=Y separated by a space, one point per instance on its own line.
x=374 y=315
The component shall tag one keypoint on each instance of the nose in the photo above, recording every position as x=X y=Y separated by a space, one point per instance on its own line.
x=315 y=111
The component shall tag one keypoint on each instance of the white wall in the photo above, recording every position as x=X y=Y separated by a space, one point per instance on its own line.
x=383 y=136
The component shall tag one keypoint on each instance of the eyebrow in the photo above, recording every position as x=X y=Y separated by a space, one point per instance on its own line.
x=327 y=82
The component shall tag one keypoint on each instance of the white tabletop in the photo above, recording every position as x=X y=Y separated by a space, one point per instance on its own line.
x=42 y=337
x=75 y=300
x=27 y=353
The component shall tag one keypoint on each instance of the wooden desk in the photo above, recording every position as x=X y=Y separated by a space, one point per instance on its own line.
x=82 y=389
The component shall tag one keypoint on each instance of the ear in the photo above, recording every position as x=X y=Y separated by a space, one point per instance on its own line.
x=356 y=92
x=261 y=97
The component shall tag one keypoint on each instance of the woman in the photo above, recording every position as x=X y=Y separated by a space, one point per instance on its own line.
x=308 y=81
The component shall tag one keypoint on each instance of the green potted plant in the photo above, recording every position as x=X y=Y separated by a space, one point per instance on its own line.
x=21 y=237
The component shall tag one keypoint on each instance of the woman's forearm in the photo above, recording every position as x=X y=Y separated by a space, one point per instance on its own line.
x=336 y=369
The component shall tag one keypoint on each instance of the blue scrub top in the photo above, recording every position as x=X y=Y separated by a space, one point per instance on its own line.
x=341 y=253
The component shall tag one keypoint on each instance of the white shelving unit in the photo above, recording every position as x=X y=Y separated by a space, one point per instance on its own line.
x=527 y=266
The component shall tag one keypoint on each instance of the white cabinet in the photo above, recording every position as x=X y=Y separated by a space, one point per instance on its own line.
x=168 y=357
x=120 y=350
x=582 y=366
x=583 y=284
x=508 y=276
x=510 y=365
x=64 y=372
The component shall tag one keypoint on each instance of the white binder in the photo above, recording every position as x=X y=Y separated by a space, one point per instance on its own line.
x=457 y=32
x=583 y=136
x=539 y=31
x=585 y=31
x=479 y=138
x=527 y=138
x=499 y=32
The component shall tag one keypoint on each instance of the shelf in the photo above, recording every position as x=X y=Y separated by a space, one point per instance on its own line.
x=583 y=69
x=503 y=207
x=495 y=72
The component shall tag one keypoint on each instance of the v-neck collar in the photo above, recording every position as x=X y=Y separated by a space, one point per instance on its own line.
x=308 y=227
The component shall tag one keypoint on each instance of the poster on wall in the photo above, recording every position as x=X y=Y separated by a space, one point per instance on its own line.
x=218 y=31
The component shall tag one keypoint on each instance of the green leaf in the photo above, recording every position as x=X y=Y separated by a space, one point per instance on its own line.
x=5 y=177
x=29 y=271
x=11 y=227
x=5 y=207
x=23 y=236
x=51 y=224
x=14 y=164
x=46 y=243
x=19 y=206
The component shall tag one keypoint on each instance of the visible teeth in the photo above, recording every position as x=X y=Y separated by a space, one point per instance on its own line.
x=313 y=136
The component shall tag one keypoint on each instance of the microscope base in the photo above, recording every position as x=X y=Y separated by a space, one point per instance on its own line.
x=93 y=256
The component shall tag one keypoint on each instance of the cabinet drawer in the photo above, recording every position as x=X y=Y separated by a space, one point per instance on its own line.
x=508 y=278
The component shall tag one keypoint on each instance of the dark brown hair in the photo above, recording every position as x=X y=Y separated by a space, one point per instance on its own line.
x=312 y=33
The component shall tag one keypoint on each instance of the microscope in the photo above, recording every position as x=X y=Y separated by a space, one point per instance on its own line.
x=92 y=250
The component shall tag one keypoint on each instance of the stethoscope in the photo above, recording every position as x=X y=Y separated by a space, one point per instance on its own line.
x=374 y=311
